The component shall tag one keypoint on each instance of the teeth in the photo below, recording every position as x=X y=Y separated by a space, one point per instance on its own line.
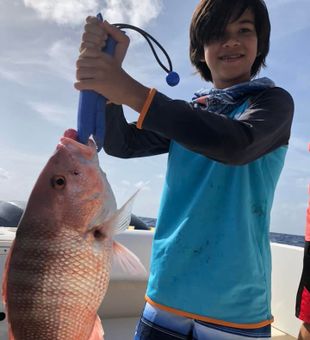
x=231 y=57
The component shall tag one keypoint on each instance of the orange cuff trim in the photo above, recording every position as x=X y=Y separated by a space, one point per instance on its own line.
x=210 y=320
x=146 y=107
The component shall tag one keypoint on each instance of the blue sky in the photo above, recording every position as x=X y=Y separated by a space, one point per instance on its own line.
x=39 y=45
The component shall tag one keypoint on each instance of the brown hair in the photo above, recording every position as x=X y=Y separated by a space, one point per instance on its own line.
x=209 y=21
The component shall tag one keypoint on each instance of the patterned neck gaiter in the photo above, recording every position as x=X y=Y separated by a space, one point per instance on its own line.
x=224 y=101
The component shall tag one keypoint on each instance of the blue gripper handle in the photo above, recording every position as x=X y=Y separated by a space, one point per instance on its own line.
x=91 y=110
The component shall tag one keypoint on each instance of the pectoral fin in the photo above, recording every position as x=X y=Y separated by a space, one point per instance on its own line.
x=97 y=333
x=128 y=261
x=120 y=220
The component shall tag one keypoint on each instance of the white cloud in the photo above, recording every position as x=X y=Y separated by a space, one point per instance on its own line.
x=4 y=175
x=58 y=59
x=64 y=12
x=51 y=112
x=62 y=56
x=74 y=12
x=135 y=12
x=13 y=76
x=21 y=170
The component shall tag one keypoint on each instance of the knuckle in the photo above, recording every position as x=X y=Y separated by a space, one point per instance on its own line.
x=86 y=27
x=82 y=46
x=98 y=40
x=84 y=36
x=91 y=19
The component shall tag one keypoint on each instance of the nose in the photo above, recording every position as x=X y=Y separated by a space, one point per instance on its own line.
x=231 y=41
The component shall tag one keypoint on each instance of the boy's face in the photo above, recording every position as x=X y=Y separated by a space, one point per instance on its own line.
x=230 y=58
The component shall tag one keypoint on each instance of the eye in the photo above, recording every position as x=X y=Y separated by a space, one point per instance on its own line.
x=99 y=235
x=58 y=182
x=245 y=30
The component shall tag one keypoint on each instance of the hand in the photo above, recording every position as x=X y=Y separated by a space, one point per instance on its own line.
x=103 y=73
x=96 y=34
x=97 y=70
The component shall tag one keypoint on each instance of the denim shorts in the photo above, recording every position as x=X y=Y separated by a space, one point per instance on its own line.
x=156 y=324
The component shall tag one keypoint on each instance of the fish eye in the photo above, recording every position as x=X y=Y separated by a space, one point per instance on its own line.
x=99 y=235
x=58 y=182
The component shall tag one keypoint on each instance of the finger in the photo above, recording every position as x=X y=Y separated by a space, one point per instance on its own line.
x=93 y=38
x=90 y=45
x=90 y=53
x=96 y=28
x=88 y=62
x=87 y=73
x=100 y=64
x=86 y=85
x=91 y=19
x=122 y=41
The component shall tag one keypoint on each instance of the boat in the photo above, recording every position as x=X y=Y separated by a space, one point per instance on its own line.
x=124 y=300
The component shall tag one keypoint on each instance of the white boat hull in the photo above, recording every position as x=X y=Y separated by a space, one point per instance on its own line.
x=125 y=297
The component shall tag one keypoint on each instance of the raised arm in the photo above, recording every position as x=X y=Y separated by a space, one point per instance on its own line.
x=263 y=127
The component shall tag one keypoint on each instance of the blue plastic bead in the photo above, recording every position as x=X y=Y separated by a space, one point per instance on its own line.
x=172 y=78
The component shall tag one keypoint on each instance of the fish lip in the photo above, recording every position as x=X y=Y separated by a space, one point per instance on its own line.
x=88 y=151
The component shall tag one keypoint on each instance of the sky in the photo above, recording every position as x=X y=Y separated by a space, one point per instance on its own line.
x=39 y=46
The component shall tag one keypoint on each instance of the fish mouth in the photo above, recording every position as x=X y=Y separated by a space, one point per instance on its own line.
x=88 y=151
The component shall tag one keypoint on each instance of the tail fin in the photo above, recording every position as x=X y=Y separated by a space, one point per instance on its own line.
x=128 y=261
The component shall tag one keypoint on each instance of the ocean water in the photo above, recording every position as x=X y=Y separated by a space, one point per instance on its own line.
x=10 y=213
x=293 y=240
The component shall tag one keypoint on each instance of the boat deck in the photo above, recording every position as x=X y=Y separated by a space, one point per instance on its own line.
x=278 y=335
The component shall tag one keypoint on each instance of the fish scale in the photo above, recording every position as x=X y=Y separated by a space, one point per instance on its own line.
x=58 y=268
x=70 y=282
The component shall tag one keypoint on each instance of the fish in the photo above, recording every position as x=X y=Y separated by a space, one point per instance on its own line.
x=58 y=268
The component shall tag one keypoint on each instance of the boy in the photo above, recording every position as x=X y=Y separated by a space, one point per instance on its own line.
x=210 y=267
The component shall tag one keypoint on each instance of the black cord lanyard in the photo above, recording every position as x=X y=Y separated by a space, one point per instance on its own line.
x=172 y=77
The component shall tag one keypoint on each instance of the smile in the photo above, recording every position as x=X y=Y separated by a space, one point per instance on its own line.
x=232 y=57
